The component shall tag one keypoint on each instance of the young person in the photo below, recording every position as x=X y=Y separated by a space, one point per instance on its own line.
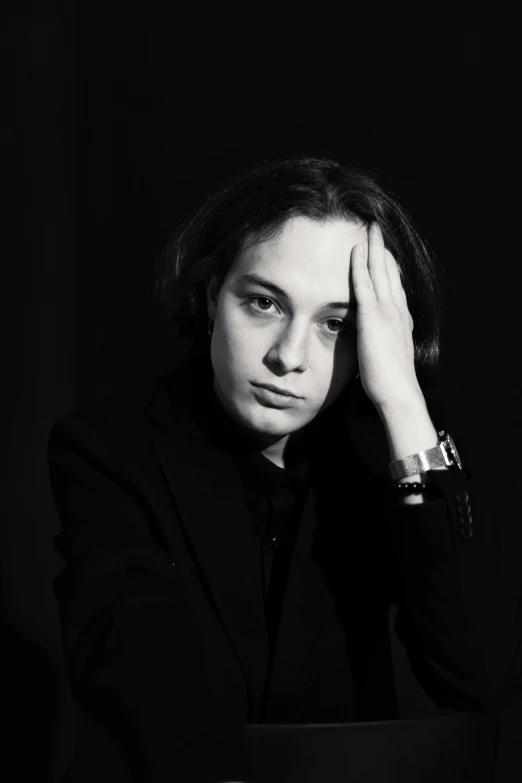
x=235 y=531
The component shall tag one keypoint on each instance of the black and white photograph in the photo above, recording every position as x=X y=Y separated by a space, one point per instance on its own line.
x=263 y=406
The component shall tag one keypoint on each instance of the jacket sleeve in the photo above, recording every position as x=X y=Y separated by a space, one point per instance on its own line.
x=131 y=651
x=458 y=594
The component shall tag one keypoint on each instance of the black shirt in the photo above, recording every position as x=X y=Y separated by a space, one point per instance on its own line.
x=274 y=496
x=275 y=499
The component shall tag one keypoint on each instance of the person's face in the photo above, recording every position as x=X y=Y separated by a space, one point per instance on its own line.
x=290 y=341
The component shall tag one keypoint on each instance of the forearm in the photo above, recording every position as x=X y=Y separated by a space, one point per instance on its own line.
x=409 y=430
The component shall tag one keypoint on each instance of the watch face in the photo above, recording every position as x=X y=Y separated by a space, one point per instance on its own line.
x=453 y=453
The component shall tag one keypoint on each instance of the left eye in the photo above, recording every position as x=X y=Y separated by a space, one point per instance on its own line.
x=337 y=323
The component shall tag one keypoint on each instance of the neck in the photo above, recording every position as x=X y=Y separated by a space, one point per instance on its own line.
x=287 y=451
x=275 y=453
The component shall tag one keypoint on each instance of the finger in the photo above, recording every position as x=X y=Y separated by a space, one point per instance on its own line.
x=395 y=279
x=361 y=280
x=377 y=264
x=397 y=289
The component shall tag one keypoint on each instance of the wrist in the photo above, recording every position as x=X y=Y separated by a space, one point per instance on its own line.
x=409 y=429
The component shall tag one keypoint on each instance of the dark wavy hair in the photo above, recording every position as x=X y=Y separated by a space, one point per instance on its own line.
x=255 y=205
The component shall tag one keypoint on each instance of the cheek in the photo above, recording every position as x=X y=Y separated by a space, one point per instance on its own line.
x=234 y=330
x=233 y=355
x=244 y=345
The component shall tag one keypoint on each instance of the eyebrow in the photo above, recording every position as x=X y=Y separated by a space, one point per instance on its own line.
x=255 y=279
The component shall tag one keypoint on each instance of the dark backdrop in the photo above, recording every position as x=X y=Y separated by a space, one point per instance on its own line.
x=121 y=123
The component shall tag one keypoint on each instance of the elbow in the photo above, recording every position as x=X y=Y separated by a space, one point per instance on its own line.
x=453 y=691
x=471 y=696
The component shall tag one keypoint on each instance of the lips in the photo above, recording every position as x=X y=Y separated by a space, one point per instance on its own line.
x=277 y=390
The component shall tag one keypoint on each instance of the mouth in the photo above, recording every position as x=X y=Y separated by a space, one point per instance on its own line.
x=277 y=390
x=274 y=397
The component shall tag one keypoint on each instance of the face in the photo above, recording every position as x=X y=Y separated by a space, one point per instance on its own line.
x=299 y=338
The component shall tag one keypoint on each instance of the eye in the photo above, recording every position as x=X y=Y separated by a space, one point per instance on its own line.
x=342 y=326
x=262 y=299
x=335 y=322
x=252 y=303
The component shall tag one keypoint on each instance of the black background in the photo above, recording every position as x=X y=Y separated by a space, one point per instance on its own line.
x=120 y=122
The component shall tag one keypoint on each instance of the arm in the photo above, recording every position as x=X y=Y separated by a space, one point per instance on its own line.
x=458 y=599
x=133 y=653
x=459 y=610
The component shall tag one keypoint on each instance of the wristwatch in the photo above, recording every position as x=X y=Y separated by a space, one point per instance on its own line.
x=443 y=455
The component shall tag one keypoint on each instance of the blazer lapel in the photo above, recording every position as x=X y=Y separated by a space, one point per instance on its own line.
x=216 y=521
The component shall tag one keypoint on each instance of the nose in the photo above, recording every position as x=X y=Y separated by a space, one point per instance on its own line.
x=290 y=349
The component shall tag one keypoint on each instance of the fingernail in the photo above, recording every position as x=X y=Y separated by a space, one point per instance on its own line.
x=362 y=251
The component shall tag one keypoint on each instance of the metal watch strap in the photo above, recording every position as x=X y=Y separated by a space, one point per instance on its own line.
x=443 y=455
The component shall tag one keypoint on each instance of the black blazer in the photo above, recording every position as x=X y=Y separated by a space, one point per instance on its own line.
x=160 y=603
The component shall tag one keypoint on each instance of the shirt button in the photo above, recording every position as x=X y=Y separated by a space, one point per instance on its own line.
x=274 y=542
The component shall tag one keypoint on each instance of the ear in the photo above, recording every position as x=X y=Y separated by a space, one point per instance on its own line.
x=212 y=297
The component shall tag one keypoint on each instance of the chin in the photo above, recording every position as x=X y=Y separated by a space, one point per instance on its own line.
x=277 y=423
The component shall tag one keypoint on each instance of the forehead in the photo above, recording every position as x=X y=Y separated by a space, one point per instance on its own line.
x=305 y=245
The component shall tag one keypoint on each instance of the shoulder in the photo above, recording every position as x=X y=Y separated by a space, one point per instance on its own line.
x=131 y=411
x=133 y=414
x=120 y=411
